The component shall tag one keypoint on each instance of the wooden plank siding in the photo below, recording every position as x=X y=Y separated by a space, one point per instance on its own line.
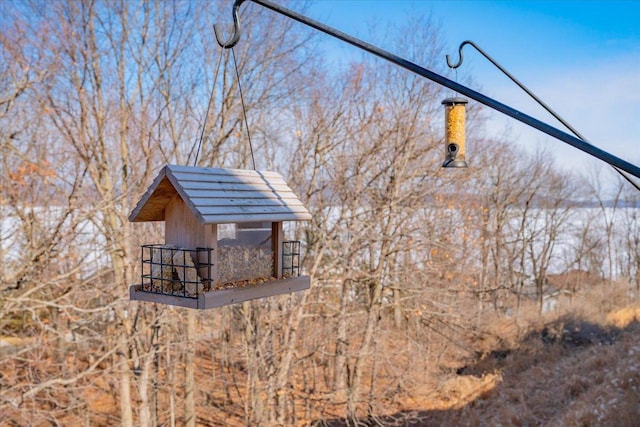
x=221 y=171
x=219 y=196
x=278 y=237
x=209 y=195
x=233 y=186
x=225 y=201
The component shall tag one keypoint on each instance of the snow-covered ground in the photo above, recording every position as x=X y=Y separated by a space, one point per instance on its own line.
x=613 y=233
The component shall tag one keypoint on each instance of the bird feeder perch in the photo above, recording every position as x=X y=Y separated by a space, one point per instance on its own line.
x=224 y=238
x=454 y=111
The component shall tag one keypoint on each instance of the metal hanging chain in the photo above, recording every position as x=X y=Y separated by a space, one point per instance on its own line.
x=244 y=110
x=206 y=116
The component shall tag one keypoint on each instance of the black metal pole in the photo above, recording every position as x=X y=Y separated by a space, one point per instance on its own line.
x=477 y=96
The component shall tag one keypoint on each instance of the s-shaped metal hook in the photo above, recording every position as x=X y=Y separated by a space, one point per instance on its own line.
x=459 y=63
x=235 y=36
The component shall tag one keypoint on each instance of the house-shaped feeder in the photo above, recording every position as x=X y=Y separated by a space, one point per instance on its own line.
x=224 y=238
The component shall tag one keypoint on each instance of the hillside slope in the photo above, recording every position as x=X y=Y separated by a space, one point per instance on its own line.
x=566 y=372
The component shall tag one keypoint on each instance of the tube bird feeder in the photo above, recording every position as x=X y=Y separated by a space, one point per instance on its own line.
x=455 y=151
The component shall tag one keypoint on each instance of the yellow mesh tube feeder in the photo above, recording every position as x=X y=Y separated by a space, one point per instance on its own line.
x=455 y=151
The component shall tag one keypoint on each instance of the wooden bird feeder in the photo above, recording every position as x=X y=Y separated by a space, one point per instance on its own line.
x=224 y=239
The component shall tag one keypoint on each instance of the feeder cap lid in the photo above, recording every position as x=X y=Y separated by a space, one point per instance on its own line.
x=455 y=101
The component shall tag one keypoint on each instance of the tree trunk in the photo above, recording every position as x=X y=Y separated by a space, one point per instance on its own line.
x=189 y=374
x=356 y=378
x=171 y=376
x=397 y=308
x=143 y=381
x=342 y=343
x=284 y=369
x=126 y=412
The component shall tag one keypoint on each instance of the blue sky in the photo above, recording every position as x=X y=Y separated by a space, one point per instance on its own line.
x=581 y=57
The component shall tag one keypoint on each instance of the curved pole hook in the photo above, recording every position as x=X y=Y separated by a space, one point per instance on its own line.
x=459 y=63
x=235 y=36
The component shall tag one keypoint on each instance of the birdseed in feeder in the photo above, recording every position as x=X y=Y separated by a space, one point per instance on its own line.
x=455 y=150
x=237 y=262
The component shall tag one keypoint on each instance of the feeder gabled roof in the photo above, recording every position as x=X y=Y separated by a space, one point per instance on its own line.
x=218 y=196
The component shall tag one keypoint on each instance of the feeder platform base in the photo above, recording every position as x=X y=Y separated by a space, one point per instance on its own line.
x=223 y=297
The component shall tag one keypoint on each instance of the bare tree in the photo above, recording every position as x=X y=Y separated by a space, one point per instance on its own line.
x=405 y=257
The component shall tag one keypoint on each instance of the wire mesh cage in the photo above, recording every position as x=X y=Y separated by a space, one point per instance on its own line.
x=291 y=258
x=170 y=270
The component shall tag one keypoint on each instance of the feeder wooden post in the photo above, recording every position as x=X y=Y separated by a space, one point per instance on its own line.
x=278 y=238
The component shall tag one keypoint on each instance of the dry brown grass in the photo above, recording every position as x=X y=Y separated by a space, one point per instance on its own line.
x=622 y=317
x=579 y=365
